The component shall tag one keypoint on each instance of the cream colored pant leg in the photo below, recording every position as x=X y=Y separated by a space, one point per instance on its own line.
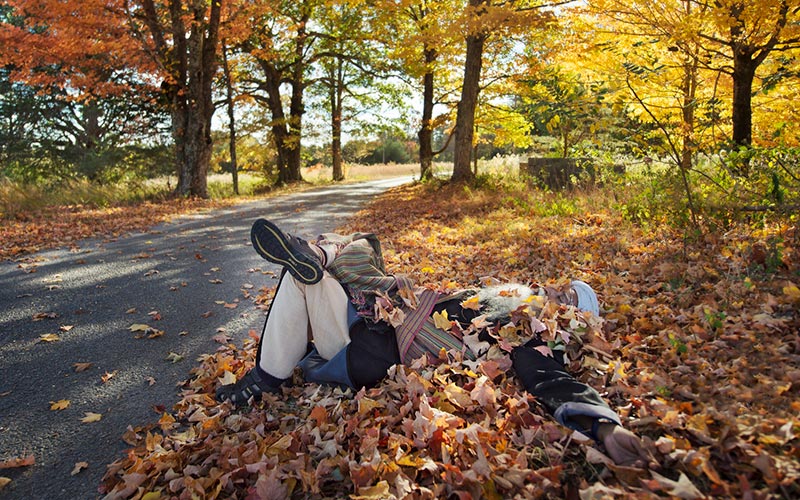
x=296 y=307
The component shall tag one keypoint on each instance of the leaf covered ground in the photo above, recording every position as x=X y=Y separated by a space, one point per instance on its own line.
x=699 y=353
x=53 y=227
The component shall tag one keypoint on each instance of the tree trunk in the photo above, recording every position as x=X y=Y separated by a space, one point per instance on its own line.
x=190 y=60
x=295 y=126
x=336 y=89
x=465 y=117
x=744 y=70
x=425 y=133
x=231 y=120
x=689 y=90
x=296 y=107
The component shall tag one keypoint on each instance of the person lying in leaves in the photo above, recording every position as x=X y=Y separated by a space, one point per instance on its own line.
x=338 y=316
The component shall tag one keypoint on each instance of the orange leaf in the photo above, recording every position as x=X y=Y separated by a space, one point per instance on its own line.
x=17 y=462
x=319 y=414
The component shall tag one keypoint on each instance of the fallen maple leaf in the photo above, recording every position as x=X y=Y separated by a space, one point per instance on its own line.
x=139 y=327
x=108 y=376
x=3 y=482
x=61 y=404
x=319 y=414
x=49 y=337
x=379 y=491
x=174 y=357
x=79 y=466
x=792 y=292
x=441 y=321
x=471 y=303
x=150 y=381
x=79 y=367
x=66 y=328
x=44 y=315
x=221 y=338
x=91 y=417
x=17 y=462
x=682 y=488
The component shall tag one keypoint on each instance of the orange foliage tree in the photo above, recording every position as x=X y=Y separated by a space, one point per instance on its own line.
x=98 y=48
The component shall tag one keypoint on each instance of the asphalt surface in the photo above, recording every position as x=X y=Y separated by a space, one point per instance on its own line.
x=90 y=297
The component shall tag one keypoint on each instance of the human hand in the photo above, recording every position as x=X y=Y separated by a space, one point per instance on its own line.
x=624 y=447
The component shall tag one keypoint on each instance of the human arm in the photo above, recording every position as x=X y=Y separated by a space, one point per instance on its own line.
x=575 y=404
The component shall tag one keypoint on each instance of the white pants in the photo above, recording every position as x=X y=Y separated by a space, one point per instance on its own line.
x=300 y=313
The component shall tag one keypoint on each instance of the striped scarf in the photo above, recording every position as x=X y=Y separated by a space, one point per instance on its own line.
x=359 y=267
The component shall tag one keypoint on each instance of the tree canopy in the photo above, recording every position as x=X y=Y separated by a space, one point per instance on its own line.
x=698 y=76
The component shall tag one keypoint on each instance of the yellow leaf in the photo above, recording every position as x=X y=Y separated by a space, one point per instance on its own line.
x=49 y=337
x=166 y=421
x=792 y=292
x=377 y=492
x=409 y=461
x=152 y=495
x=62 y=404
x=91 y=417
x=79 y=466
x=471 y=303
x=3 y=482
x=441 y=321
x=457 y=395
x=138 y=327
x=366 y=405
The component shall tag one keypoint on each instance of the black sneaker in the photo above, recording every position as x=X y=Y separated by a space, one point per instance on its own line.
x=289 y=251
x=251 y=385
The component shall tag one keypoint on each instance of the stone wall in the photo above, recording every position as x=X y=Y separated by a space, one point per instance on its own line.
x=558 y=173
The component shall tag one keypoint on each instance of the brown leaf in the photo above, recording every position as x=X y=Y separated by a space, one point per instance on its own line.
x=79 y=466
x=44 y=315
x=682 y=488
x=108 y=376
x=79 y=367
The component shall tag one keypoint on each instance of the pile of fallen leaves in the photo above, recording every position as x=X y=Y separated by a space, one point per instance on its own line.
x=54 y=227
x=699 y=354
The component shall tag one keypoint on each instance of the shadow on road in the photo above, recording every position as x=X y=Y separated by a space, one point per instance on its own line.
x=177 y=278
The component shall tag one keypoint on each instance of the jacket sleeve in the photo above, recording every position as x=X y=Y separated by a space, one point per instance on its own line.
x=562 y=395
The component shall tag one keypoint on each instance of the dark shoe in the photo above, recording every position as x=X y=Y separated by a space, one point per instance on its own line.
x=289 y=251
x=252 y=385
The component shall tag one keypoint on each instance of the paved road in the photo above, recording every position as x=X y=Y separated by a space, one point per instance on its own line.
x=180 y=270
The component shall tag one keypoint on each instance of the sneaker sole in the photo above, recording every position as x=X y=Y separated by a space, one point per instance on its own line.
x=271 y=244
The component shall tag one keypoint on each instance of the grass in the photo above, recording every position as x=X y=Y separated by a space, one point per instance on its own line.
x=23 y=200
